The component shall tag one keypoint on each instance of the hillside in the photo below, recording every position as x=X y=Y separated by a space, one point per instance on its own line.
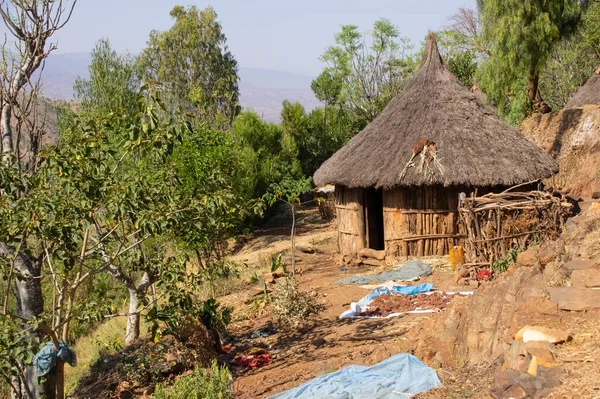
x=262 y=90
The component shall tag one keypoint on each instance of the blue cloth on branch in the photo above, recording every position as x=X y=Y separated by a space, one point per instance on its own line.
x=45 y=360
x=408 y=271
x=400 y=376
x=412 y=289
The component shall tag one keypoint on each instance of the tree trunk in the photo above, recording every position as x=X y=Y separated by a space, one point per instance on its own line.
x=293 y=249
x=534 y=98
x=30 y=304
x=7 y=141
x=532 y=87
x=132 y=332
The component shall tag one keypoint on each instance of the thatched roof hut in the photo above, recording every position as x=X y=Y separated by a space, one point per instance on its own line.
x=589 y=93
x=433 y=141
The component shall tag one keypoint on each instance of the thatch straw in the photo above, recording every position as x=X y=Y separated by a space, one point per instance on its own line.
x=589 y=93
x=474 y=145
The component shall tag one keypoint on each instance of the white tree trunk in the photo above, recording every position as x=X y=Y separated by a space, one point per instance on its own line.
x=7 y=141
x=133 y=319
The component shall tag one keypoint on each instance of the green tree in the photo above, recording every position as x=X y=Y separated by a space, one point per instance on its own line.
x=459 y=55
x=107 y=200
x=288 y=191
x=193 y=67
x=30 y=25
x=363 y=72
x=266 y=152
x=520 y=36
x=113 y=84
x=573 y=60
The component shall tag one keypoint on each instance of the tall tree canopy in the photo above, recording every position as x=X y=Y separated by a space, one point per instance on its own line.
x=520 y=35
x=364 y=71
x=193 y=66
x=113 y=84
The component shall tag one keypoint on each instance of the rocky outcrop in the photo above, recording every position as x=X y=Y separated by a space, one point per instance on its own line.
x=480 y=328
x=572 y=136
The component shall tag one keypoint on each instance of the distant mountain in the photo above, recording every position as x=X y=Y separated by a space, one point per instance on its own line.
x=262 y=90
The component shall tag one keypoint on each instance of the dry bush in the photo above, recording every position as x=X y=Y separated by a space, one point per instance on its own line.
x=290 y=305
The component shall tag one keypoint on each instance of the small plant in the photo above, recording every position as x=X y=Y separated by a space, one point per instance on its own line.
x=501 y=265
x=278 y=263
x=290 y=305
x=211 y=383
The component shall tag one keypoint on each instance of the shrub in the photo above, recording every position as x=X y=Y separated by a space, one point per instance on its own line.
x=210 y=383
x=290 y=305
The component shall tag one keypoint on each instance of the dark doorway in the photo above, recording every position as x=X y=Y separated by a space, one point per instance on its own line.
x=374 y=219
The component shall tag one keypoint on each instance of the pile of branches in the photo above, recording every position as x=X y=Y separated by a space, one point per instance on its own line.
x=496 y=225
x=428 y=161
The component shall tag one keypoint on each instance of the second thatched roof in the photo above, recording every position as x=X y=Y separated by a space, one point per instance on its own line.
x=589 y=93
x=474 y=146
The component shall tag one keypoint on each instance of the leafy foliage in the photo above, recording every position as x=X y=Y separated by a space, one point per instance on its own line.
x=520 y=36
x=572 y=60
x=113 y=84
x=193 y=66
x=501 y=265
x=364 y=72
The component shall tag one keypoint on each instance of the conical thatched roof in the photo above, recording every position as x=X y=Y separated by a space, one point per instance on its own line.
x=589 y=93
x=474 y=146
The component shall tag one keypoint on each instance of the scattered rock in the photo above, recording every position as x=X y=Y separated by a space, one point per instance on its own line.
x=527 y=258
x=371 y=262
x=537 y=333
x=461 y=273
x=318 y=342
x=574 y=298
x=516 y=357
x=586 y=278
x=307 y=249
x=372 y=253
x=595 y=207
x=255 y=292
x=269 y=278
x=514 y=384
x=548 y=252
x=570 y=224
x=543 y=351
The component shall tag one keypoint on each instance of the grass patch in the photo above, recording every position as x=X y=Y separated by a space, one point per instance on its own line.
x=210 y=383
x=105 y=340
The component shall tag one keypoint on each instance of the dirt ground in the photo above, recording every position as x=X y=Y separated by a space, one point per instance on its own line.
x=324 y=343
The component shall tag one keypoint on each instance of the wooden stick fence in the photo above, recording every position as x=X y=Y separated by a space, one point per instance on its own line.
x=496 y=223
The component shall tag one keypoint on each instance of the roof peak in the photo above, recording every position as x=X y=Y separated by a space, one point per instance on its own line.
x=431 y=52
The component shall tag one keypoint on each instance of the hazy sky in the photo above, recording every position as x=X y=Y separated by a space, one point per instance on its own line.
x=273 y=34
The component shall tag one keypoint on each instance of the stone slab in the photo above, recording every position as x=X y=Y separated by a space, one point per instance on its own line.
x=574 y=298
x=580 y=264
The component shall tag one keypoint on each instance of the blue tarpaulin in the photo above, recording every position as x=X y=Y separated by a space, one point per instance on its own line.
x=408 y=271
x=400 y=376
x=412 y=289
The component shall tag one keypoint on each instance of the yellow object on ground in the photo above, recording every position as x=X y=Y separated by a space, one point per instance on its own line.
x=457 y=257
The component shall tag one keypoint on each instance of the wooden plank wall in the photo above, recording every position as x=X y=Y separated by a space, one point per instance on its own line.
x=411 y=214
x=350 y=219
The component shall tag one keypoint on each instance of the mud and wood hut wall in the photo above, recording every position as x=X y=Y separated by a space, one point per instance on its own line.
x=421 y=221
x=350 y=219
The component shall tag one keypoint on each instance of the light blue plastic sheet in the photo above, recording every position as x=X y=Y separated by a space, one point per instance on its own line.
x=408 y=271
x=400 y=376
x=412 y=290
